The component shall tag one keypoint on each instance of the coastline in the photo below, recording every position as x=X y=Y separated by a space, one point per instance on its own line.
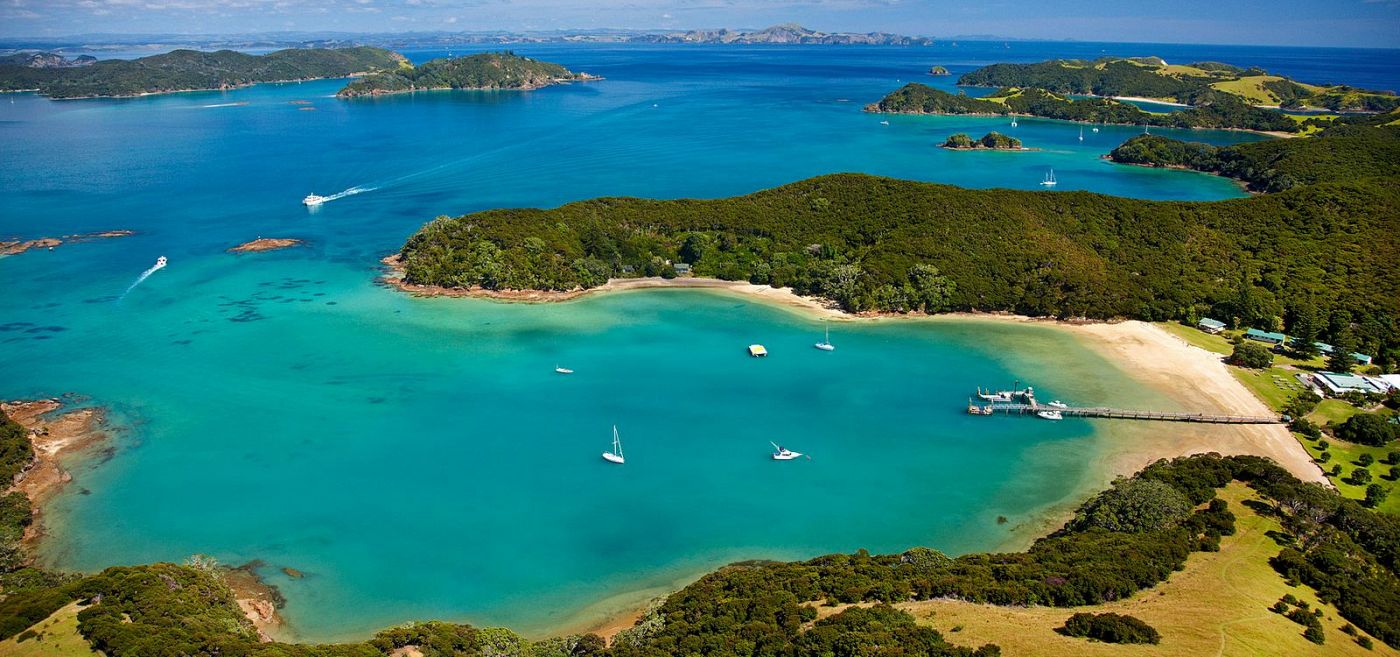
x=56 y=435
x=375 y=93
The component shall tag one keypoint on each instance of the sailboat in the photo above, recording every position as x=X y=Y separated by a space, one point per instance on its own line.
x=1013 y=121
x=825 y=344
x=615 y=456
x=783 y=453
x=1049 y=179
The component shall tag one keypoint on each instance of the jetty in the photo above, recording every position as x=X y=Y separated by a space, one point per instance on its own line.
x=1018 y=401
x=1122 y=414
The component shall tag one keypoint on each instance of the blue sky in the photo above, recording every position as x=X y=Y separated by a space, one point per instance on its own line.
x=1372 y=23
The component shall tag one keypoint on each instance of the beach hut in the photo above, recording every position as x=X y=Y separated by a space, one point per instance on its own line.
x=1211 y=326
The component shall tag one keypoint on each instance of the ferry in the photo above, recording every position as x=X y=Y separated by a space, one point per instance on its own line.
x=783 y=453
x=313 y=200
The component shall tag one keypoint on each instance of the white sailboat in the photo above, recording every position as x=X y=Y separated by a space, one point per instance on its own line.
x=825 y=344
x=783 y=453
x=1049 y=180
x=615 y=456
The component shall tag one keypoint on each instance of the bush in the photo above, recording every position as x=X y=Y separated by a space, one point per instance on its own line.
x=1368 y=429
x=1375 y=495
x=1110 y=628
x=1315 y=635
x=1365 y=460
x=1252 y=355
x=1134 y=505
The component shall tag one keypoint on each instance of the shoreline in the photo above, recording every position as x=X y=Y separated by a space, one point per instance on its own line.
x=375 y=93
x=16 y=247
x=55 y=435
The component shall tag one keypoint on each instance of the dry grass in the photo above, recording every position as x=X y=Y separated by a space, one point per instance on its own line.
x=1217 y=606
x=55 y=636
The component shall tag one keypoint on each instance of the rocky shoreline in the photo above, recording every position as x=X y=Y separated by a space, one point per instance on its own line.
x=16 y=247
x=55 y=436
x=266 y=244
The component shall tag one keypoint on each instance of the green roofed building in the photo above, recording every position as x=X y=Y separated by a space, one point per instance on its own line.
x=1265 y=336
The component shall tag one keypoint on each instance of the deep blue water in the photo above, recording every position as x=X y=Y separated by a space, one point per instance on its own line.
x=419 y=458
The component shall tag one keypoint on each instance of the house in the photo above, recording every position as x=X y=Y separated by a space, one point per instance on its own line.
x=1324 y=348
x=1361 y=358
x=1265 y=336
x=682 y=268
x=1211 y=326
x=1335 y=383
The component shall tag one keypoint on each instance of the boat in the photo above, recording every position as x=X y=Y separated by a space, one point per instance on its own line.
x=615 y=456
x=1013 y=121
x=1058 y=405
x=783 y=453
x=313 y=200
x=1049 y=415
x=1049 y=179
x=884 y=123
x=758 y=351
x=563 y=370
x=1081 y=133
x=825 y=344
x=160 y=262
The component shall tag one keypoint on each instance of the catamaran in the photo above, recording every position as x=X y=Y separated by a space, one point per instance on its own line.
x=783 y=453
x=825 y=344
x=1049 y=179
x=313 y=200
x=615 y=456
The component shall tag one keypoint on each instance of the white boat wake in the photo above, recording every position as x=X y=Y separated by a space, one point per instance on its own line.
x=160 y=264
x=313 y=200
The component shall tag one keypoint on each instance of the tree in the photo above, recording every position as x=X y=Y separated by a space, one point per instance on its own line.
x=1307 y=326
x=1341 y=360
x=1392 y=457
x=1368 y=429
x=1134 y=505
x=1365 y=460
x=1252 y=355
x=1360 y=476
x=1110 y=628
x=1375 y=495
x=933 y=292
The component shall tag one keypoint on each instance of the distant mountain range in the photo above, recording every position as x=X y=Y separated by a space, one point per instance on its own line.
x=778 y=34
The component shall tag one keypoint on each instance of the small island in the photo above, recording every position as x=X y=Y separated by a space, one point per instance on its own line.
x=16 y=247
x=188 y=70
x=992 y=141
x=937 y=70
x=266 y=244
x=484 y=71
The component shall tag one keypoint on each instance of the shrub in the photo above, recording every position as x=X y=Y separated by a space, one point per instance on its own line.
x=1315 y=635
x=1110 y=628
x=1134 y=505
x=1365 y=460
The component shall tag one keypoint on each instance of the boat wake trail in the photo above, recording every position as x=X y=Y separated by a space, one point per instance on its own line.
x=350 y=192
x=160 y=264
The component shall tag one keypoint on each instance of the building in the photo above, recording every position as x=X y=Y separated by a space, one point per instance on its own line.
x=682 y=268
x=1266 y=337
x=1211 y=326
x=1335 y=383
x=1390 y=380
x=1361 y=358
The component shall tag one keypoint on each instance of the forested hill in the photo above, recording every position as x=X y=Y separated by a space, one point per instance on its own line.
x=1152 y=77
x=872 y=243
x=1218 y=111
x=492 y=70
x=189 y=70
x=1339 y=154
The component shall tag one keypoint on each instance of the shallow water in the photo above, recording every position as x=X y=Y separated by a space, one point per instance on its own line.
x=419 y=458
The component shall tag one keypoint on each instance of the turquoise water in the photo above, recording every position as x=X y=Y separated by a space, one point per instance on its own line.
x=419 y=458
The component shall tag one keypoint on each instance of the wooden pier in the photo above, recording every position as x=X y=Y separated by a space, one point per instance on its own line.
x=1031 y=409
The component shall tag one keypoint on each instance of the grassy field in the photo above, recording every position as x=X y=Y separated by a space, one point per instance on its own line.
x=1346 y=454
x=56 y=636
x=1218 y=605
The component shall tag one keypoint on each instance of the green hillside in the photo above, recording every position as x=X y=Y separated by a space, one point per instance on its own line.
x=492 y=70
x=187 y=70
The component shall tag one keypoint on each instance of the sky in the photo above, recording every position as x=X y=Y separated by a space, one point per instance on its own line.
x=1361 y=23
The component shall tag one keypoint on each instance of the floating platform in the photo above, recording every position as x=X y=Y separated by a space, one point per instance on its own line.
x=758 y=350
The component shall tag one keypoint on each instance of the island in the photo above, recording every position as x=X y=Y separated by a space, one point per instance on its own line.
x=1152 y=78
x=937 y=70
x=189 y=70
x=994 y=141
x=785 y=34
x=266 y=244
x=483 y=71
x=1218 y=112
x=16 y=246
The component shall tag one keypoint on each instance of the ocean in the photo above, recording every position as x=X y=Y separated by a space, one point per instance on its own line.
x=419 y=458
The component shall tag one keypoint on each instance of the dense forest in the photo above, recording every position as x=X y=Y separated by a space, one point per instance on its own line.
x=869 y=243
x=1123 y=540
x=1194 y=84
x=1276 y=165
x=491 y=70
x=186 y=70
x=990 y=141
x=1216 y=110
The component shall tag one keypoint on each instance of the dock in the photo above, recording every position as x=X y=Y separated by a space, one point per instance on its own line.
x=1121 y=414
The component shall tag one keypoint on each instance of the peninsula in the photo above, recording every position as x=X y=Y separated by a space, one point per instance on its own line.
x=1191 y=84
x=192 y=70
x=484 y=71
x=1220 y=111
x=992 y=141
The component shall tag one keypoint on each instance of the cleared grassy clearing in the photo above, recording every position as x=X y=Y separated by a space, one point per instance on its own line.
x=55 y=636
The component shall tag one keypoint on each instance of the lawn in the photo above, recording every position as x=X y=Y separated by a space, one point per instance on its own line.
x=1345 y=454
x=1332 y=411
x=1218 y=605
x=1275 y=386
x=56 y=636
